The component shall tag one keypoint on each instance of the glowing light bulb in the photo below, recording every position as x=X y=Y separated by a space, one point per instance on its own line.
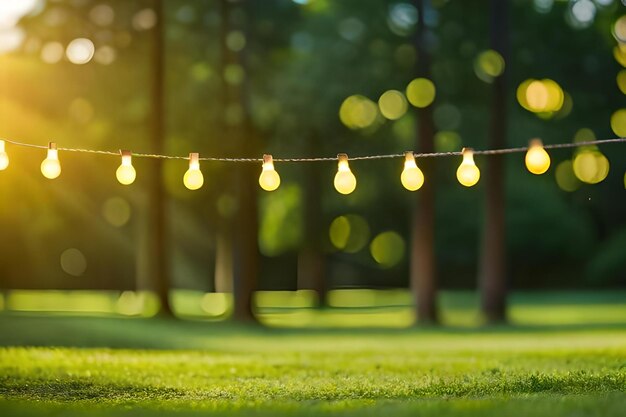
x=50 y=167
x=537 y=159
x=412 y=177
x=269 y=179
x=126 y=173
x=468 y=173
x=4 y=158
x=345 y=181
x=193 y=178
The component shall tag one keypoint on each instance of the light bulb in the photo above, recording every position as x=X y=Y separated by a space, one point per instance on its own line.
x=193 y=178
x=269 y=179
x=126 y=173
x=345 y=181
x=4 y=158
x=537 y=159
x=50 y=167
x=468 y=173
x=412 y=177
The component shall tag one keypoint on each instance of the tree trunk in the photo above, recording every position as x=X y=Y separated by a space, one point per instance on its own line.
x=311 y=259
x=246 y=253
x=493 y=263
x=244 y=139
x=157 y=198
x=223 y=261
x=422 y=262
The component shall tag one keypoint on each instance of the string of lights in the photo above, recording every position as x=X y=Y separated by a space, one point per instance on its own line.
x=537 y=162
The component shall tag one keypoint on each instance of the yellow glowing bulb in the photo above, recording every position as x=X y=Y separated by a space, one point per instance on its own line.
x=269 y=179
x=345 y=181
x=537 y=159
x=50 y=167
x=193 y=178
x=4 y=158
x=468 y=173
x=412 y=177
x=126 y=173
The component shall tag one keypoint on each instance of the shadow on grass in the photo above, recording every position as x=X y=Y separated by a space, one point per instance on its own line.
x=55 y=329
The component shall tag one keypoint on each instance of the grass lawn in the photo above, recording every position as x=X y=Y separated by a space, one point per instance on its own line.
x=55 y=364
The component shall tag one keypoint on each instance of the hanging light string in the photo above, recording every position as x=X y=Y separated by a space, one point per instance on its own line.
x=537 y=162
x=326 y=159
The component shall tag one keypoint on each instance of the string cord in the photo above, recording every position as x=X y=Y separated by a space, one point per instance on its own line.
x=326 y=159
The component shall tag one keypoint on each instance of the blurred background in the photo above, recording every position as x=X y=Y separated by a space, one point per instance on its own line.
x=305 y=78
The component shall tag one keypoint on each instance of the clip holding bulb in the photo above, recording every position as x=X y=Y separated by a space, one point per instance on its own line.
x=345 y=181
x=468 y=173
x=126 y=173
x=51 y=167
x=269 y=179
x=4 y=158
x=412 y=177
x=537 y=159
x=193 y=178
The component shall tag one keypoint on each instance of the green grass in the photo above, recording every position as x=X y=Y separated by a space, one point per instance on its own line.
x=102 y=366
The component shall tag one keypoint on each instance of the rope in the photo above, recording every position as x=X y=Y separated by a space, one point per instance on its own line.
x=325 y=159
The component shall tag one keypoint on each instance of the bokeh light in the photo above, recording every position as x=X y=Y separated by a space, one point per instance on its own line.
x=565 y=177
x=619 y=53
x=80 y=51
x=621 y=81
x=543 y=6
x=387 y=249
x=566 y=108
x=537 y=96
x=584 y=135
x=351 y=29
x=581 y=14
x=144 y=19
x=116 y=211
x=590 y=166
x=392 y=104
x=339 y=232
x=402 y=18
x=349 y=233
x=618 y=122
x=73 y=262
x=235 y=40
x=619 y=29
x=52 y=52
x=12 y=11
x=11 y=34
x=102 y=14
x=540 y=96
x=105 y=55
x=421 y=92
x=11 y=38
x=358 y=112
x=489 y=65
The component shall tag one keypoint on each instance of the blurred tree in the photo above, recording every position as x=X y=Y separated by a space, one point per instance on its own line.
x=422 y=272
x=312 y=259
x=245 y=138
x=493 y=263
x=157 y=198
